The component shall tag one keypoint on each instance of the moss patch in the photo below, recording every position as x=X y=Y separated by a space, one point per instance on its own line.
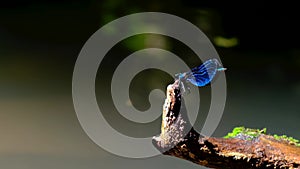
x=251 y=134
x=291 y=140
x=245 y=133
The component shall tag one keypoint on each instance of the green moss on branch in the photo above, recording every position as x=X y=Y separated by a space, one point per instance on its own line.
x=250 y=134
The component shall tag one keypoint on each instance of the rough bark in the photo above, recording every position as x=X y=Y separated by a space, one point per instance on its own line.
x=179 y=139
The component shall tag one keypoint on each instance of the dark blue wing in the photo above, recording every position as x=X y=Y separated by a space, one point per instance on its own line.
x=203 y=74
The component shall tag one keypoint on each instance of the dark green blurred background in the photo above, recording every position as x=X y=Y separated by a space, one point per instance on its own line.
x=40 y=40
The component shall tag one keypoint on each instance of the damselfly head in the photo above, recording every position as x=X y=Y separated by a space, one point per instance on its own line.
x=180 y=75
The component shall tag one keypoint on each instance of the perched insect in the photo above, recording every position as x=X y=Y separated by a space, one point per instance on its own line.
x=200 y=75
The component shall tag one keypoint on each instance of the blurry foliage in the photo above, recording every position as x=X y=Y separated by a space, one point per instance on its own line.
x=143 y=41
x=225 y=42
x=263 y=35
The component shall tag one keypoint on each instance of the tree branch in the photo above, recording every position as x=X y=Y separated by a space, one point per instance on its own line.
x=179 y=139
